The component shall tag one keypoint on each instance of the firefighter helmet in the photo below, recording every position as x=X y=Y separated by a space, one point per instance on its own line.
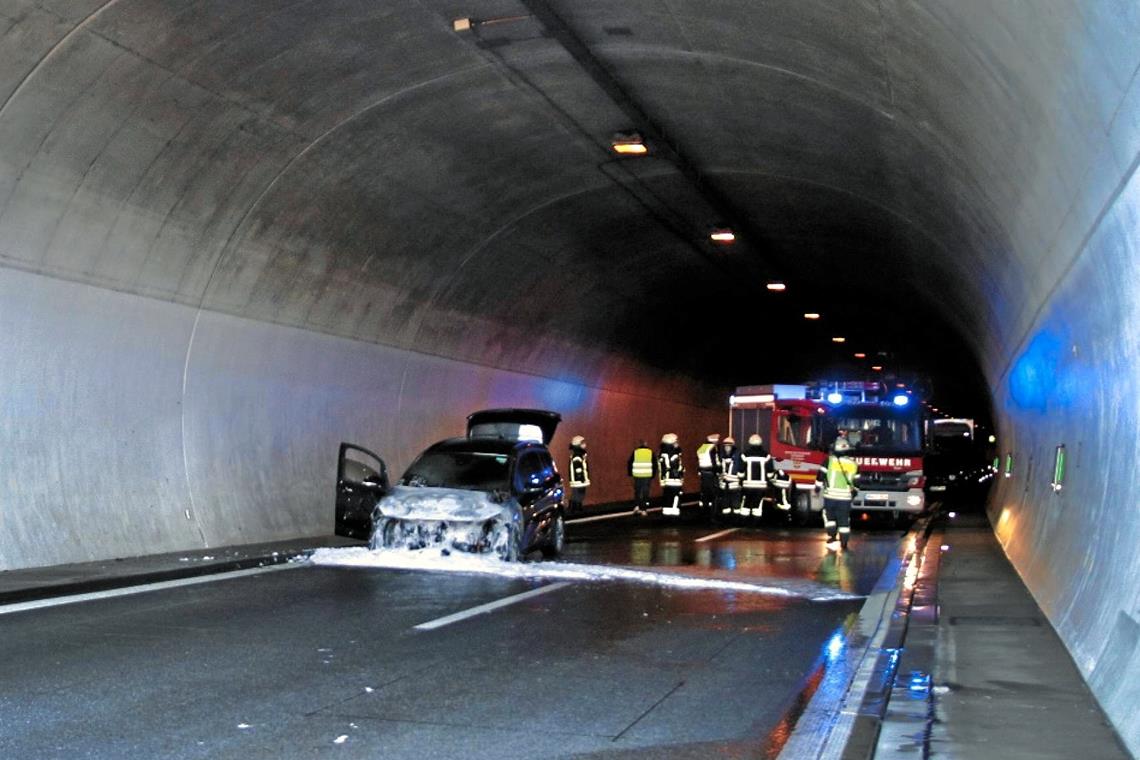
x=669 y=439
x=713 y=437
x=841 y=445
x=579 y=441
x=729 y=440
x=755 y=440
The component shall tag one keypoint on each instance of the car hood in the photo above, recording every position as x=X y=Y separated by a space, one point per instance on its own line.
x=457 y=504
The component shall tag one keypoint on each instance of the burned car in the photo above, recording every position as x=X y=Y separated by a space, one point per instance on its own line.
x=495 y=490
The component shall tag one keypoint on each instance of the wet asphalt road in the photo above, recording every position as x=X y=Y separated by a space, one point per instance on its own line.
x=325 y=662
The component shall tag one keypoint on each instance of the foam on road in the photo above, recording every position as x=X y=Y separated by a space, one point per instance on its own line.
x=432 y=560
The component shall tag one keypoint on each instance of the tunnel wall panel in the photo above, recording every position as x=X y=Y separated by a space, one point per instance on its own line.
x=135 y=426
x=1074 y=382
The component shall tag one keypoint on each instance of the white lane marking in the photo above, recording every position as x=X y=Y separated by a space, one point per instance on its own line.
x=614 y=516
x=710 y=537
x=431 y=625
x=621 y=514
x=129 y=590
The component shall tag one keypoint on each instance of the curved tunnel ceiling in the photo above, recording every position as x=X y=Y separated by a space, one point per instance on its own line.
x=364 y=170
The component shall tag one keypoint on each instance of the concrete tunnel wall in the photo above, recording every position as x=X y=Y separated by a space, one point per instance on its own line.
x=1075 y=381
x=134 y=426
x=150 y=164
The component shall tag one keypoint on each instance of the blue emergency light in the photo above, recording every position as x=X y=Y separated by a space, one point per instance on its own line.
x=902 y=399
x=835 y=397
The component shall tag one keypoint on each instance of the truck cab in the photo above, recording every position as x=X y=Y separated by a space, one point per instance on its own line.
x=800 y=424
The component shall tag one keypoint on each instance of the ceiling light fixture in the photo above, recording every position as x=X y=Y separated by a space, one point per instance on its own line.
x=876 y=368
x=838 y=339
x=860 y=355
x=811 y=315
x=723 y=236
x=629 y=144
x=777 y=287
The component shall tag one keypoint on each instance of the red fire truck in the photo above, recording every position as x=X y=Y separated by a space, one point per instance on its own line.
x=799 y=424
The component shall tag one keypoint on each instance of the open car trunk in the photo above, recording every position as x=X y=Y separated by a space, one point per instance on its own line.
x=513 y=424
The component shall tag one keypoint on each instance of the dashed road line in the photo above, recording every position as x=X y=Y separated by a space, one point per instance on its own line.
x=715 y=536
x=57 y=601
x=614 y=516
x=431 y=625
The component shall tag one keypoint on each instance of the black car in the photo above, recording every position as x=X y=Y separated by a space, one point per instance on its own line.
x=494 y=490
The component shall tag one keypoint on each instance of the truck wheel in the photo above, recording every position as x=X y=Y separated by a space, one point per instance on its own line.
x=801 y=509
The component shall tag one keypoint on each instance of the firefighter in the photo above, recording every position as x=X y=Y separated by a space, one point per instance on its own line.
x=782 y=481
x=729 y=477
x=708 y=467
x=756 y=469
x=642 y=468
x=579 y=474
x=671 y=471
x=838 y=478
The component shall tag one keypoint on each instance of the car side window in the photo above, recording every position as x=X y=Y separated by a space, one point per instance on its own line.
x=359 y=466
x=528 y=472
x=548 y=467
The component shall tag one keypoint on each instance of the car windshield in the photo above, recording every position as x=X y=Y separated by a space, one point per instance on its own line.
x=470 y=470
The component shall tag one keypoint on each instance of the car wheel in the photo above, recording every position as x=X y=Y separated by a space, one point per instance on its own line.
x=557 y=541
x=381 y=535
x=511 y=550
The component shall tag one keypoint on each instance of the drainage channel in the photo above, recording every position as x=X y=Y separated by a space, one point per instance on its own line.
x=849 y=710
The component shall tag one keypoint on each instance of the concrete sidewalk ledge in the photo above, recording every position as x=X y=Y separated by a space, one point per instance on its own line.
x=32 y=584
x=1003 y=683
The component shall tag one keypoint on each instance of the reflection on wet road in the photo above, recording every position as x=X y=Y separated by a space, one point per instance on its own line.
x=744 y=554
x=330 y=659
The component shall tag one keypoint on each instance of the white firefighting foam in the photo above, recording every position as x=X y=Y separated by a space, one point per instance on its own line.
x=432 y=559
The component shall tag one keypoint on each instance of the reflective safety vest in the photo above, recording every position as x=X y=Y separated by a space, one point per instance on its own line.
x=780 y=478
x=670 y=469
x=579 y=471
x=705 y=456
x=729 y=477
x=642 y=463
x=839 y=478
x=755 y=475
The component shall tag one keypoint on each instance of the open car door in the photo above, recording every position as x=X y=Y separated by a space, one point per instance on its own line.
x=361 y=479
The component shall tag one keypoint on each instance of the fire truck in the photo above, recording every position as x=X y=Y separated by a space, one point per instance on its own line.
x=800 y=423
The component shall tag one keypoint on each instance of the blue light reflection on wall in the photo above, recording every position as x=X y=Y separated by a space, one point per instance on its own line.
x=1052 y=373
x=564 y=396
x=1034 y=373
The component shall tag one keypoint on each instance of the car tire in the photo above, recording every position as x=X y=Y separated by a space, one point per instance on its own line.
x=381 y=535
x=801 y=509
x=511 y=550
x=557 y=541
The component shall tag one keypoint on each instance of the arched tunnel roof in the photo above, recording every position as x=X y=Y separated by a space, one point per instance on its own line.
x=371 y=171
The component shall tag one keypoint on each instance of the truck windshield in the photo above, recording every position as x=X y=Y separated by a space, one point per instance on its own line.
x=469 y=470
x=873 y=431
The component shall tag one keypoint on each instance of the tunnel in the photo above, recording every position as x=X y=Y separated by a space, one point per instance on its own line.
x=236 y=235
